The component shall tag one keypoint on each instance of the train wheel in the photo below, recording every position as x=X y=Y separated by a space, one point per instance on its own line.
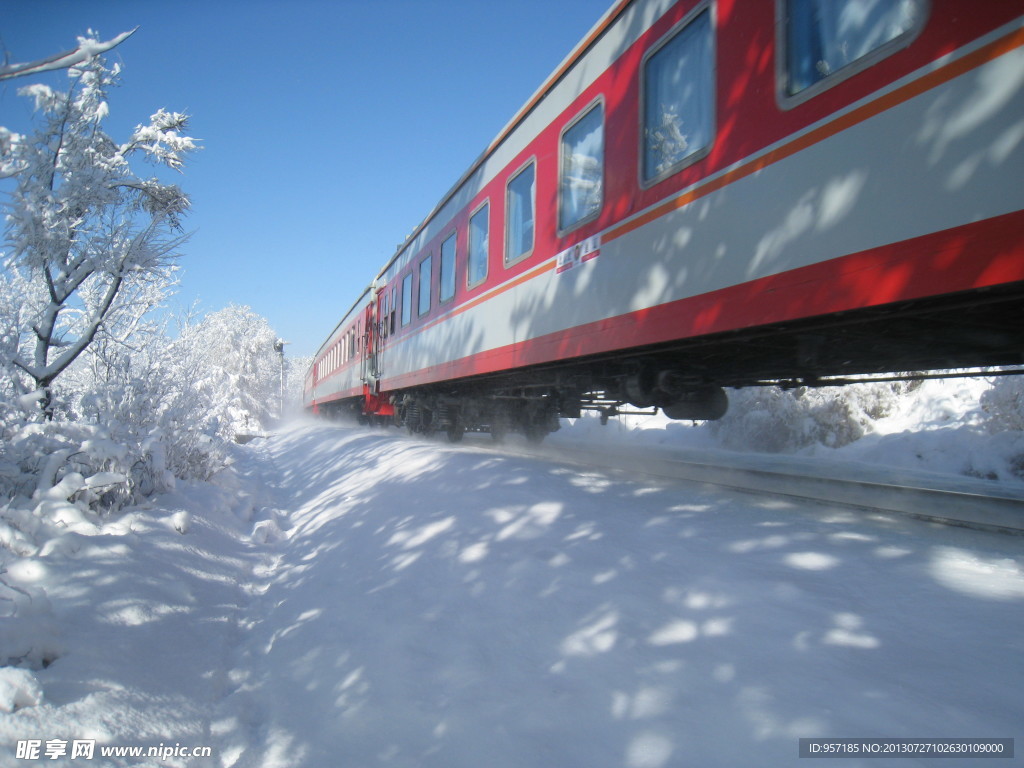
x=455 y=432
x=535 y=432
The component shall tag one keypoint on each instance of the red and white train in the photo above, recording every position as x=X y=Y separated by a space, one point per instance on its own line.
x=712 y=193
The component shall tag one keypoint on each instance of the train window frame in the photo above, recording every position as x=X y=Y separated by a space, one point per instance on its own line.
x=565 y=228
x=447 y=279
x=645 y=181
x=423 y=292
x=787 y=99
x=407 y=298
x=485 y=209
x=530 y=164
x=393 y=309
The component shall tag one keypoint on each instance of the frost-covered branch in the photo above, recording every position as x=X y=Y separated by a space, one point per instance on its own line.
x=87 y=48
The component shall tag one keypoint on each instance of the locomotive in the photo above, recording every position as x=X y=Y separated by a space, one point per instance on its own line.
x=710 y=194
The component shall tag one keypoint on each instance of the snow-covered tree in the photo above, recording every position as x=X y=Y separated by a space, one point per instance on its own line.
x=241 y=368
x=295 y=380
x=91 y=241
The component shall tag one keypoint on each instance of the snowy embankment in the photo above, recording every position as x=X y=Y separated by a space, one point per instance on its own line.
x=358 y=598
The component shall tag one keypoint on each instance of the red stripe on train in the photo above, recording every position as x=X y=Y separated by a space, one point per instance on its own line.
x=972 y=256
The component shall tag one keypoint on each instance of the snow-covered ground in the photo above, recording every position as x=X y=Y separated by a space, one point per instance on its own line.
x=358 y=598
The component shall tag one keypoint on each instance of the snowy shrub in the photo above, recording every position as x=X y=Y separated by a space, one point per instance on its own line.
x=128 y=420
x=296 y=368
x=239 y=370
x=1003 y=403
x=775 y=420
x=761 y=419
x=18 y=688
x=29 y=637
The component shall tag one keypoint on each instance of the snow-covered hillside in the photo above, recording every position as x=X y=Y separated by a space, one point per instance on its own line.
x=359 y=598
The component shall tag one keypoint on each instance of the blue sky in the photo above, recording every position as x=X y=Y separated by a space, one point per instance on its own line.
x=330 y=129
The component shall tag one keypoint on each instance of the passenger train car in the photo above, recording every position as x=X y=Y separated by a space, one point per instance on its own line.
x=709 y=194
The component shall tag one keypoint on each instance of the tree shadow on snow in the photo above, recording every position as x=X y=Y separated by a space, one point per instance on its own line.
x=446 y=606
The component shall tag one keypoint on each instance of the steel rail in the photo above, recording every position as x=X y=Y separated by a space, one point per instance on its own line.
x=979 y=505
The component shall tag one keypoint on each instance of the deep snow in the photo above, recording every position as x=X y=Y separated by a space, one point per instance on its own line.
x=356 y=598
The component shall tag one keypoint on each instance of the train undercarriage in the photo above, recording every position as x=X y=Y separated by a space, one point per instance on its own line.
x=686 y=380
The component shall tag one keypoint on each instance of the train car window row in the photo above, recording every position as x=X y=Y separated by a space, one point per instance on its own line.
x=678 y=94
x=340 y=353
x=819 y=41
x=581 y=182
x=823 y=40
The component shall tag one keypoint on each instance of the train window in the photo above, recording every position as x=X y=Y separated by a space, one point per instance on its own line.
x=447 y=289
x=423 y=305
x=581 y=185
x=391 y=329
x=407 y=299
x=519 y=207
x=478 y=234
x=678 y=99
x=823 y=39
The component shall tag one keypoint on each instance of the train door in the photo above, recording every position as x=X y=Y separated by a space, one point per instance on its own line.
x=373 y=337
x=373 y=343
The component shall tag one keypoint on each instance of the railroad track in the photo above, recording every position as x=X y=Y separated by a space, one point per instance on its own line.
x=961 y=501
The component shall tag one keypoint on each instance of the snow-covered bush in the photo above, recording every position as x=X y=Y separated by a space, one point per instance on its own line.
x=239 y=369
x=1004 y=404
x=776 y=420
x=128 y=420
x=296 y=368
x=149 y=402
